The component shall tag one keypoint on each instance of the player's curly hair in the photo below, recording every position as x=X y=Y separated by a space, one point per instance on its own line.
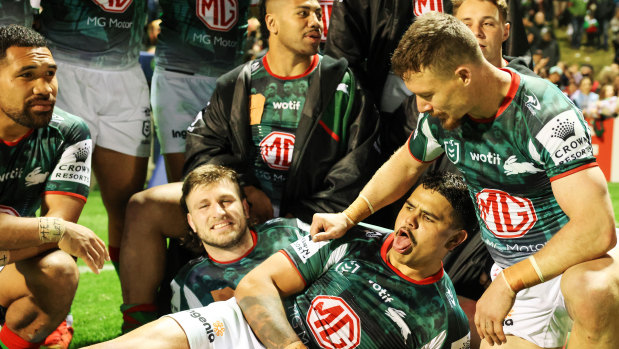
x=453 y=188
x=19 y=36
x=202 y=176
x=437 y=42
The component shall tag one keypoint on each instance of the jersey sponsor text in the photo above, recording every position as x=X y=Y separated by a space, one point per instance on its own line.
x=490 y=158
x=565 y=138
x=276 y=150
x=506 y=216
x=116 y=6
x=219 y=15
x=333 y=322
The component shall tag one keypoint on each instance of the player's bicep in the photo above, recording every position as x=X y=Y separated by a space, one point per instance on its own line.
x=67 y=207
x=283 y=273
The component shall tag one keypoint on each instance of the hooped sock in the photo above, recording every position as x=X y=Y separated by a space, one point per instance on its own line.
x=9 y=340
x=136 y=315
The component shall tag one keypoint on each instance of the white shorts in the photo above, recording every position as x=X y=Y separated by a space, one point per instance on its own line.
x=539 y=314
x=113 y=103
x=176 y=99
x=219 y=325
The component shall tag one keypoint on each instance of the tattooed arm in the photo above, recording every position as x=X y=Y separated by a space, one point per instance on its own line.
x=260 y=293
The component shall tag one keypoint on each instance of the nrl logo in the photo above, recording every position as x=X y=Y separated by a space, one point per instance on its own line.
x=452 y=149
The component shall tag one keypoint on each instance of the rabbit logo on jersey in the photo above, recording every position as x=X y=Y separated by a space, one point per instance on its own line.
x=333 y=323
x=566 y=138
x=116 y=6
x=506 y=216
x=220 y=15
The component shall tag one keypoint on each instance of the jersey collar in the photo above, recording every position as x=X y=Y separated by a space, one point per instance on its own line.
x=511 y=93
x=14 y=143
x=429 y=280
x=312 y=66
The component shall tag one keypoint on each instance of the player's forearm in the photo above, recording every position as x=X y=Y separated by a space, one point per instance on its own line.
x=18 y=232
x=12 y=256
x=264 y=312
x=392 y=180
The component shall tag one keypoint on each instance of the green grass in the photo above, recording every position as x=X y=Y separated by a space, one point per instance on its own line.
x=96 y=307
x=597 y=58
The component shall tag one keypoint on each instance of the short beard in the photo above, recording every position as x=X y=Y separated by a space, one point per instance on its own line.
x=30 y=119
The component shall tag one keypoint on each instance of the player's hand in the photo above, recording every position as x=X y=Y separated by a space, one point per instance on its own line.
x=260 y=207
x=491 y=310
x=327 y=226
x=83 y=243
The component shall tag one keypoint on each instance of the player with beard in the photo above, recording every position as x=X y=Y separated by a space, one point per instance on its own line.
x=44 y=163
x=218 y=214
x=370 y=289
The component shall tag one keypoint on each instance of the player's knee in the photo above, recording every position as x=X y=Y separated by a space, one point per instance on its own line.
x=60 y=270
x=592 y=296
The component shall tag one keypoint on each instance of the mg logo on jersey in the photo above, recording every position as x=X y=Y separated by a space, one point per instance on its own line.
x=117 y=6
x=452 y=149
x=333 y=323
x=423 y=6
x=506 y=216
x=9 y=210
x=276 y=150
x=220 y=15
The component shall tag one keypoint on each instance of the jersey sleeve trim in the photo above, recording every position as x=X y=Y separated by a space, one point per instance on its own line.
x=294 y=266
x=254 y=238
x=329 y=131
x=577 y=169
x=427 y=281
x=408 y=146
x=68 y=193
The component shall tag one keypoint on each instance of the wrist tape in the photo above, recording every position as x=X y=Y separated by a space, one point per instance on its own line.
x=357 y=211
x=51 y=229
x=522 y=275
x=4 y=258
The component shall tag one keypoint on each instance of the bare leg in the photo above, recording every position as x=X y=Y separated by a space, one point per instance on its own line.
x=152 y=215
x=513 y=342
x=591 y=292
x=38 y=293
x=119 y=176
x=174 y=166
x=164 y=333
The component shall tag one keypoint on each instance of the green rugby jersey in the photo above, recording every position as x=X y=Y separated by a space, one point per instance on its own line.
x=103 y=34
x=537 y=136
x=275 y=110
x=202 y=36
x=356 y=299
x=16 y=12
x=49 y=160
x=205 y=280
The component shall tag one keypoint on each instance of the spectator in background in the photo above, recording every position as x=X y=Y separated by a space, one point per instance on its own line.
x=614 y=30
x=96 y=45
x=585 y=98
x=604 y=12
x=549 y=46
x=607 y=103
x=586 y=69
x=590 y=25
x=193 y=50
x=555 y=75
x=578 y=10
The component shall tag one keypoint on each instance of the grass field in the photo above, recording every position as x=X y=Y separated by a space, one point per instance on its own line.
x=96 y=306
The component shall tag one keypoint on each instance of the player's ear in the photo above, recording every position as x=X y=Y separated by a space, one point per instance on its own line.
x=190 y=221
x=463 y=74
x=456 y=239
x=271 y=23
x=246 y=208
x=506 y=29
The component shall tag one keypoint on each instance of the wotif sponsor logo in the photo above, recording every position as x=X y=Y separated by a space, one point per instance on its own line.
x=382 y=293
x=14 y=173
x=490 y=158
x=292 y=105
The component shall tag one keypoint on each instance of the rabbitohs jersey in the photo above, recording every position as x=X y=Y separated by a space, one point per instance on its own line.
x=537 y=136
x=16 y=12
x=275 y=110
x=202 y=36
x=356 y=298
x=205 y=280
x=49 y=160
x=102 y=34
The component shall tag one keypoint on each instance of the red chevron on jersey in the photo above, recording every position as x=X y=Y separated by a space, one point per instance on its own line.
x=334 y=324
x=506 y=216
x=117 y=6
x=219 y=15
x=424 y=6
